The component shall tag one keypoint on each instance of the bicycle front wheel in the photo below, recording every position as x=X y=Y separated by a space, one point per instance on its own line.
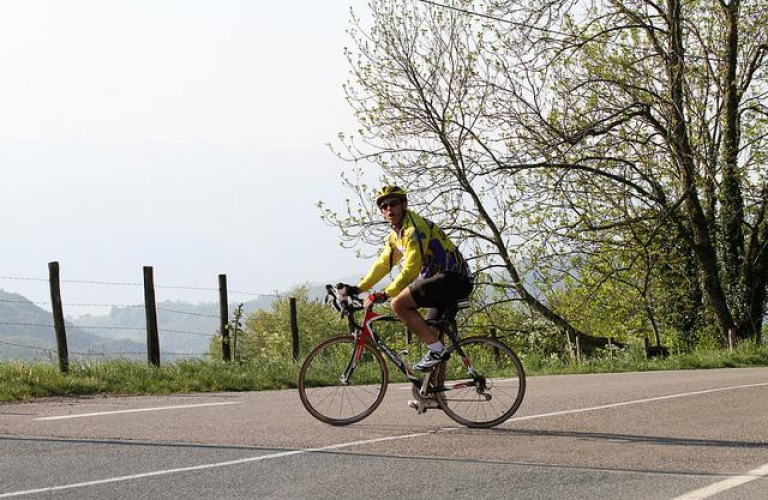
x=326 y=394
x=492 y=395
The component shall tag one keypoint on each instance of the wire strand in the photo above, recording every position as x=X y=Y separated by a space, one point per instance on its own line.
x=488 y=16
x=26 y=346
x=25 y=324
x=125 y=283
x=198 y=334
x=187 y=313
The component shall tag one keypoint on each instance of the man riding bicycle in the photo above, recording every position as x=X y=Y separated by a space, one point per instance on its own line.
x=434 y=273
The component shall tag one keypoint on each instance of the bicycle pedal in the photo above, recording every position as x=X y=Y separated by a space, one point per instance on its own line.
x=421 y=407
x=416 y=405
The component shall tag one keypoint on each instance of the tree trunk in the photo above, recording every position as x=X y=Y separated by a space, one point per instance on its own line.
x=652 y=321
x=701 y=239
x=731 y=198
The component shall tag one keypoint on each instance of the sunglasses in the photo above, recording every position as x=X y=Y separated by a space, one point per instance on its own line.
x=388 y=204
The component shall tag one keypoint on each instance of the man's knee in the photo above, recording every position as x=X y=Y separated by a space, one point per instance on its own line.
x=401 y=304
x=397 y=306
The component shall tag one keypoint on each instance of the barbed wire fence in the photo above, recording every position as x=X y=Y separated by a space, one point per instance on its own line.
x=152 y=329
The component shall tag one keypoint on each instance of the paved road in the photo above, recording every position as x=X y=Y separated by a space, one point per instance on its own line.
x=665 y=435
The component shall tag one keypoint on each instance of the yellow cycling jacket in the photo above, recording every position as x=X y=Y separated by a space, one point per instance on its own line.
x=427 y=251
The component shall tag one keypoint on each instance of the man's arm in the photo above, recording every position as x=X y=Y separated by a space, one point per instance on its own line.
x=411 y=267
x=387 y=258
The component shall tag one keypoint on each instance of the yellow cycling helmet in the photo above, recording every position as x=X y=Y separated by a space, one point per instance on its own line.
x=391 y=192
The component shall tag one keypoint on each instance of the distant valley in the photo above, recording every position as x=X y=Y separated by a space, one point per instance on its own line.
x=26 y=330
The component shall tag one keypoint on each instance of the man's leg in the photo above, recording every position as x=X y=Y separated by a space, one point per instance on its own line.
x=405 y=308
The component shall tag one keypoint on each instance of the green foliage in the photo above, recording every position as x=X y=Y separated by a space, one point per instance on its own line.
x=235 y=330
x=517 y=327
x=611 y=310
x=267 y=333
x=596 y=142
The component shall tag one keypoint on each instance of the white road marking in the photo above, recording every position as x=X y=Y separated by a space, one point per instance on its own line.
x=627 y=403
x=209 y=466
x=727 y=484
x=136 y=410
x=635 y=402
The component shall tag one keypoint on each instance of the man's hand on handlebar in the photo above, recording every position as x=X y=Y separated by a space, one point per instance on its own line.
x=345 y=290
x=375 y=298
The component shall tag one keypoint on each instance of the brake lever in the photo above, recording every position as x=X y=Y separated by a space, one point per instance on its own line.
x=332 y=298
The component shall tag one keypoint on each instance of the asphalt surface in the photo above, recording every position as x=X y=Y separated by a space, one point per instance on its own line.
x=661 y=435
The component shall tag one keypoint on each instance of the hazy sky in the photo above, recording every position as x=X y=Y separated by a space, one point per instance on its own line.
x=186 y=135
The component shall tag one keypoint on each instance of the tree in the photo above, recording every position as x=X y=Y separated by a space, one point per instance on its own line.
x=421 y=92
x=545 y=132
x=663 y=104
x=267 y=333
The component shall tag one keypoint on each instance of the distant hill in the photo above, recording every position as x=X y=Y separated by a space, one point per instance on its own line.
x=23 y=324
x=185 y=328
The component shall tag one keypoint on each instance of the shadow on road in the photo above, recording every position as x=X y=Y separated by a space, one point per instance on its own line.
x=630 y=438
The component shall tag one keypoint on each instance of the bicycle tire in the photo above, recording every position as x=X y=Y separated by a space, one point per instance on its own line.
x=503 y=375
x=328 y=399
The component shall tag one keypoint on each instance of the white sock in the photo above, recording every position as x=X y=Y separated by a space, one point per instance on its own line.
x=436 y=347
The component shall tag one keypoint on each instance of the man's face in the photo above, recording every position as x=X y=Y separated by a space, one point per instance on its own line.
x=392 y=209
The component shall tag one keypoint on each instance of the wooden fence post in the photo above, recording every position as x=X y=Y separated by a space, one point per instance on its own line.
x=153 y=342
x=294 y=329
x=731 y=339
x=610 y=348
x=58 y=317
x=226 y=351
x=578 y=347
x=496 y=353
x=570 y=336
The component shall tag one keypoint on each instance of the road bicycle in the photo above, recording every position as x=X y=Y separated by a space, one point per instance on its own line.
x=344 y=379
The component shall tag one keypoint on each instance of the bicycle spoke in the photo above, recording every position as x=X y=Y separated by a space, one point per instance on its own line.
x=332 y=401
x=504 y=379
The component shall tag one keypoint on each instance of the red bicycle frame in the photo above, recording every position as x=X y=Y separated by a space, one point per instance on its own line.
x=366 y=333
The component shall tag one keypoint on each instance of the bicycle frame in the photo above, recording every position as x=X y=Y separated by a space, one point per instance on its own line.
x=365 y=332
x=352 y=395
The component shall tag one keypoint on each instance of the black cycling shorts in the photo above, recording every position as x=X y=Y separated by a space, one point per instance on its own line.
x=440 y=291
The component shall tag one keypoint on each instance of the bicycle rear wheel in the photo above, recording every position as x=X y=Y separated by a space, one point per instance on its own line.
x=329 y=398
x=493 y=396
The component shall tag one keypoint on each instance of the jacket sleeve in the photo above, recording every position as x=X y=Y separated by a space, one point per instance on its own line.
x=383 y=265
x=411 y=266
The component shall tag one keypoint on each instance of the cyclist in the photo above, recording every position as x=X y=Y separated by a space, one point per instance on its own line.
x=434 y=273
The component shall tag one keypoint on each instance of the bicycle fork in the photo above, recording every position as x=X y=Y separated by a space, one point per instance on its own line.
x=353 y=360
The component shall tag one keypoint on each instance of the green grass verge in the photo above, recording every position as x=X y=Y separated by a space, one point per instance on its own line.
x=21 y=381
x=634 y=361
x=24 y=381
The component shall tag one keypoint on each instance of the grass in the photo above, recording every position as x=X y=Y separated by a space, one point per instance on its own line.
x=634 y=361
x=20 y=381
